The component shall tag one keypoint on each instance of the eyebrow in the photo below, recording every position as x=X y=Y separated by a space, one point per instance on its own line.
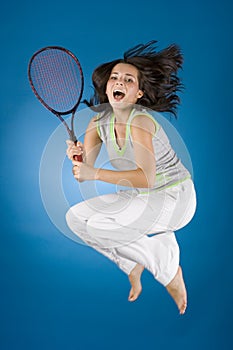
x=131 y=75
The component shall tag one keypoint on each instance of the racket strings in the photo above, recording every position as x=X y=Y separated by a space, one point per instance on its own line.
x=57 y=79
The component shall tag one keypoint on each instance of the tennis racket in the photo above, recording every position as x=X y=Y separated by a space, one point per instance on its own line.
x=56 y=78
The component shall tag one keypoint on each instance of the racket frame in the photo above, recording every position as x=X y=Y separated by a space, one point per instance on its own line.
x=57 y=113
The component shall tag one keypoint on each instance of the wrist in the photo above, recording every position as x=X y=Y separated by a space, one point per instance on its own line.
x=97 y=173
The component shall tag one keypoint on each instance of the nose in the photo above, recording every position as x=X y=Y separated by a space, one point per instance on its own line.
x=119 y=82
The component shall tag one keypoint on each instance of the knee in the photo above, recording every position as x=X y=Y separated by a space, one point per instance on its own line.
x=76 y=224
x=73 y=220
x=70 y=218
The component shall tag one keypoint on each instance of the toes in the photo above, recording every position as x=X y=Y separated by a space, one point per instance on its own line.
x=132 y=296
x=183 y=309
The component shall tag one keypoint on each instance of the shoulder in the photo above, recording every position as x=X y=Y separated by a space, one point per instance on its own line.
x=143 y=122
x=93 y=122
x=93 y=128
x=100 y=124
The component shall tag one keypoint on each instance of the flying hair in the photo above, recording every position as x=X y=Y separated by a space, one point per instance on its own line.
x=141 y=50
x=157 y=76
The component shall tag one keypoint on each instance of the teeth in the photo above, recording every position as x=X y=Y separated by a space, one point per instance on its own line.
x=117 y=92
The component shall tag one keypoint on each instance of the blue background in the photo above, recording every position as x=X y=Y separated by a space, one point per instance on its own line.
x=57 y=294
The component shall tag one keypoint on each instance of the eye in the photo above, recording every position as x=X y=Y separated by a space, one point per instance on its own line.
x=113 y=77
x=129 y=80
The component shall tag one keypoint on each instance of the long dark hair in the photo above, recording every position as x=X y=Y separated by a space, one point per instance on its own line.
x=157 y=78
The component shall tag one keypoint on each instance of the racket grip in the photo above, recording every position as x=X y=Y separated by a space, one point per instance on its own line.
x=78 y=157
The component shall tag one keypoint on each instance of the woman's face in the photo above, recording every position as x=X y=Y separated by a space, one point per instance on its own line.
x=123 y=85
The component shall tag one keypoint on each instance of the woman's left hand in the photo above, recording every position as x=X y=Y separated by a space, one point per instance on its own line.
x=83 y=172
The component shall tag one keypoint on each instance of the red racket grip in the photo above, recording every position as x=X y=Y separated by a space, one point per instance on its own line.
x=78 y=157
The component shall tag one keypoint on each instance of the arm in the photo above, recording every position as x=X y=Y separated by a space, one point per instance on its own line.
x=92 y=143
x=91 y=147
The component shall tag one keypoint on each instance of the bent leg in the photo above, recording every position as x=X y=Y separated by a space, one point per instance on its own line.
x=125 y=232
x=125 y=226
x=117 y=225
x=77 y=218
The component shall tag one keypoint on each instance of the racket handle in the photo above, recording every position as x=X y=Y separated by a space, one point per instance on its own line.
x=78 y=158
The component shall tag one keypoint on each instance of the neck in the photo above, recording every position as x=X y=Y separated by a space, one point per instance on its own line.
x=122 y=115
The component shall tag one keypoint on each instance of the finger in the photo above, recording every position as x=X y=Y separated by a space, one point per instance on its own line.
x=79 y=144
x=75 y=170
x=70 y=154
x=69 y=143
x=73 y=151
x=76 y=149
x=76 y=163
x=76 y=166
x=77 y=177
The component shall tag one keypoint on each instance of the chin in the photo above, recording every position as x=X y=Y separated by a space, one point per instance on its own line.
x=121 y=105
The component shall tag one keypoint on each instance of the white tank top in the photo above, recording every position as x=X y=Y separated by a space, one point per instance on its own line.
x=169 y=169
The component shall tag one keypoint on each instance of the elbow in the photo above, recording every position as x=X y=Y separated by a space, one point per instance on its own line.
x=152 y=180
x=151 y=183
x=149 y=179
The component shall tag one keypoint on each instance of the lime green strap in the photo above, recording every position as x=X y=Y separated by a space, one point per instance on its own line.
x=168 y=186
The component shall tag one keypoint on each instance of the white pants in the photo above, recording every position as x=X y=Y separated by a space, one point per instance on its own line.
x=120 y=226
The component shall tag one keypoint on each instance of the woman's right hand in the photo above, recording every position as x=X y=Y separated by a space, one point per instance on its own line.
x=74 y=149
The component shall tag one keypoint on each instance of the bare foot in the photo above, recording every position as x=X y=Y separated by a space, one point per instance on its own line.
x=176 y=288
x=135 y=281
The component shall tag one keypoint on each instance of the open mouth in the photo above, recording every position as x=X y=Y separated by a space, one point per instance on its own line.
x=118 y=95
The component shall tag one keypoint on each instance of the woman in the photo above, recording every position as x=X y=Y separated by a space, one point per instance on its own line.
x=135 y=228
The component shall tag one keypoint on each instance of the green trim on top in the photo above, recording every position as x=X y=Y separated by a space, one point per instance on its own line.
x=120 y=151
x=179 y=181
x=98 y=126
x=168 y=186
x=157 y=125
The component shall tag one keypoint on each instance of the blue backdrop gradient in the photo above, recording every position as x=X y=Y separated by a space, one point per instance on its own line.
x=57 y=294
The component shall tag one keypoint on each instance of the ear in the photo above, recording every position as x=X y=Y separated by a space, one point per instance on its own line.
x=139 y=94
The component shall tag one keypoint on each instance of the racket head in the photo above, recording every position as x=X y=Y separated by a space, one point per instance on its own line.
x=56 y=78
